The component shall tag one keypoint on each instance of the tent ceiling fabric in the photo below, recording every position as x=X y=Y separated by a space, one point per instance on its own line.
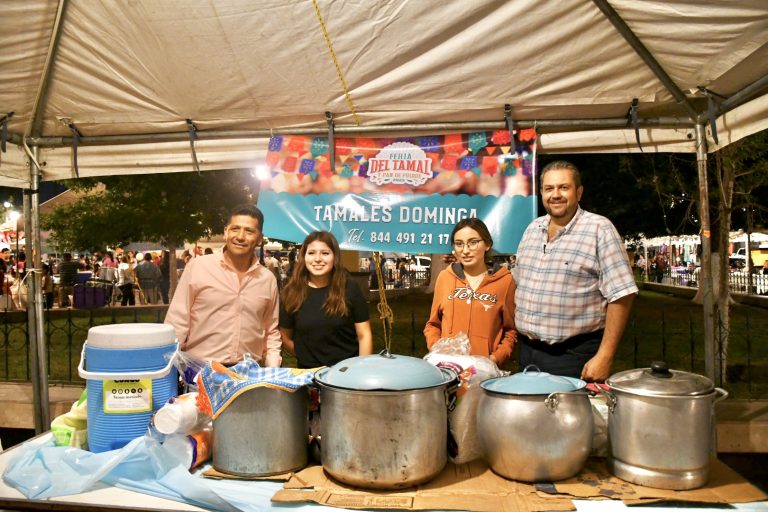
x=143 y=67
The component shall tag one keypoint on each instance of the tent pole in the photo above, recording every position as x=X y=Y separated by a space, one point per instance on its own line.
x=740 y=97
x=38 y=370
x=705 y=281
x=547 y=125
x=637 y=45
x=38 y=302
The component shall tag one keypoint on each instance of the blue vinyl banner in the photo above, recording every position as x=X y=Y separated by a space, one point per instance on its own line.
x=400 y=195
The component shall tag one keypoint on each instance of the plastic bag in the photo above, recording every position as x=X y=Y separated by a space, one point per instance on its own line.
x=71 y=428
x=600 y=429
x=179 y=415
x=188 y=368
x=464 y=445
x=41 y=470
x=457 y=346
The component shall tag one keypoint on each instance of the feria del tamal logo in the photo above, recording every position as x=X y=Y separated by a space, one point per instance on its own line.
x=400 y=163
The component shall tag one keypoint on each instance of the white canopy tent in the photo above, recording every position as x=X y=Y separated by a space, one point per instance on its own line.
x=94 y=87
x=127 y=75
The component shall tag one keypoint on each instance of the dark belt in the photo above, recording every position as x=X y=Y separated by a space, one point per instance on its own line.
x=560 y=346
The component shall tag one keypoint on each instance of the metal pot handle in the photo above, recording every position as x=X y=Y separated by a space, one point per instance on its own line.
x=525 y=370
x=610 y=398
x=723 y=395
x=551 y=402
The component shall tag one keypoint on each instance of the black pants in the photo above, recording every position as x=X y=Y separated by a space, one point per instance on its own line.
x=128 y=297
x=566 y=358
x=165 y=284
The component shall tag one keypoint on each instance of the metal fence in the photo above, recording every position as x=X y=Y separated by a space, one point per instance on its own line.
x=66 y=331
x=673 y=337
x=738 y=281
x=394 y=278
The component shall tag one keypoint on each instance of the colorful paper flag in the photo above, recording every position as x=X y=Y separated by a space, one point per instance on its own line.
x=289 y=164
x=273 y=158
x=527 y=135
x=367 y=146
x=490 y=165
x=296 y=144
x=343 y=146
x=469 y=162
x=477 y=141
x=501 y=137
x=346 y=170
x=430 y=144
x=324 y=168
x=450 y=162
x=275 y=143
x=319 y=146
x=527 y=167
x=454 y=143
x=307 y=166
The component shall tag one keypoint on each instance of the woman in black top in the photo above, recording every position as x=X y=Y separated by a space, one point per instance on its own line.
x=323 y=315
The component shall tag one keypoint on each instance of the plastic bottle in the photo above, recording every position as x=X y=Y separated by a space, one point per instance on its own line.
x=178 y=416
x=190 y=450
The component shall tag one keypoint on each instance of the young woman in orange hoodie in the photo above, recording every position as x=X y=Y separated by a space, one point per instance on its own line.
x=473 y=297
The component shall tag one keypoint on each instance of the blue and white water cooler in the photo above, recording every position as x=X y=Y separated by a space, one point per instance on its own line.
x=130 y=374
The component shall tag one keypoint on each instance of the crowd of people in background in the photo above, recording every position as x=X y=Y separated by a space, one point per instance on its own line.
x=140 y=277
x=144 y=278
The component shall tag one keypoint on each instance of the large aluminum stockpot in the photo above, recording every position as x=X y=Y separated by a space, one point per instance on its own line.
x=534 y=426
x=264 y=431
x=661 y=426
x=384 y=420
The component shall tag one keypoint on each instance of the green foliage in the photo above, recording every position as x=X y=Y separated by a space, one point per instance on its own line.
x=749 y=159
x=166 y=208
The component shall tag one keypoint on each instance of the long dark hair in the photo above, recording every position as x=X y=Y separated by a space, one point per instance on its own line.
x=296 y=290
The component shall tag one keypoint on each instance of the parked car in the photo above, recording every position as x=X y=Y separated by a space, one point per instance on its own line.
x=421 y=263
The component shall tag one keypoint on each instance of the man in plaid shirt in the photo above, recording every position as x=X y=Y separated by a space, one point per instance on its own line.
x=575 y=287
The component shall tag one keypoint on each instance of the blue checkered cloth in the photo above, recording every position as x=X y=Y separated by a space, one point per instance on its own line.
x=218 y=385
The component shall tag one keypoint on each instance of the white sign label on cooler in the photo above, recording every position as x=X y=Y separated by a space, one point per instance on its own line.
x=127 y=396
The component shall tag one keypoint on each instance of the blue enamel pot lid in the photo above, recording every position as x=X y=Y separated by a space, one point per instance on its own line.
x=386 y=372
x=531 y=381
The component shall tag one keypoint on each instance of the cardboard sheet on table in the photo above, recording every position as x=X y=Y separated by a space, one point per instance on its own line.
x=469 y=486
x=219 y=475
x=595 y=481
x=474 y=487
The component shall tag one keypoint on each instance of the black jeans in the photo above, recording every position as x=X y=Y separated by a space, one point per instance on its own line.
x=128 y=297
x=566 y=358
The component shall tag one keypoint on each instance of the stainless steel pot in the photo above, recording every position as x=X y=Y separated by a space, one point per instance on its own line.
x=263 y=432
x=661 y=427
x=384 y=439
x=534 y=437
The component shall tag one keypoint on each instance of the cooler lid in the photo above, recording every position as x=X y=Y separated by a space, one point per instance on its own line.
x=388 y=372
x=659 y=380
x=130 y=335
x=531 y=381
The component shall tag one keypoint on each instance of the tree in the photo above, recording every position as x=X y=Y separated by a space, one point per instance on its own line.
x=170 y=209
x=741 y=170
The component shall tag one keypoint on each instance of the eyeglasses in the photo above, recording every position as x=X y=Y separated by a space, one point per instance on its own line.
x=471 y=244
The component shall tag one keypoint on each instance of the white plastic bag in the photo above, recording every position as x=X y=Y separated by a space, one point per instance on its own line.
x=464 y=445
x=600 y=429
